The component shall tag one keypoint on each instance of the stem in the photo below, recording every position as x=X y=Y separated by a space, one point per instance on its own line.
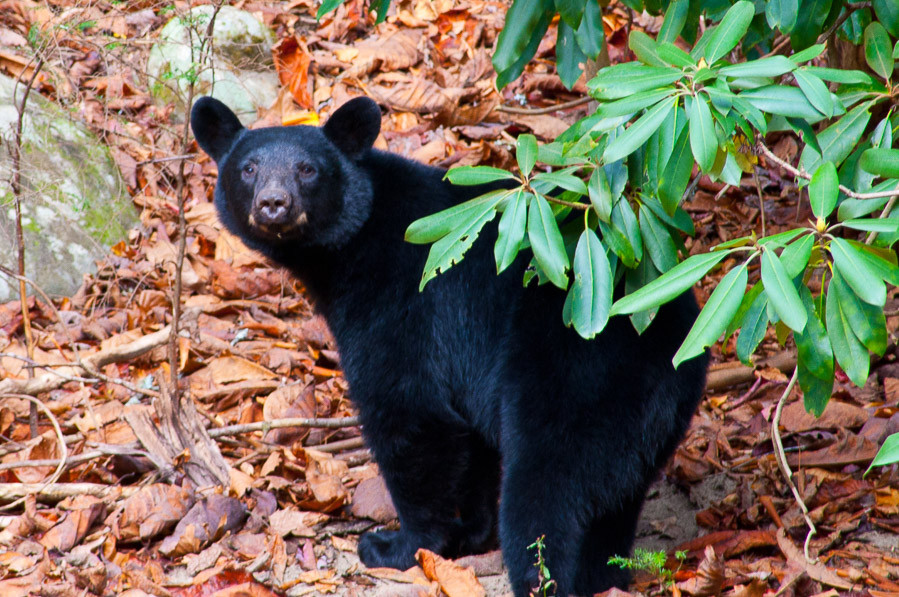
x=758 y=187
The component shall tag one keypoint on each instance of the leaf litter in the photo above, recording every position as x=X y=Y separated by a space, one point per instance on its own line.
x=298 y=497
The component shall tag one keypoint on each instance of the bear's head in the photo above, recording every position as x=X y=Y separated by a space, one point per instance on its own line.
x=296 y=186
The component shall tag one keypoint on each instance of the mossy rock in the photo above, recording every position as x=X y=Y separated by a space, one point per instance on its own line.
x=74 y=205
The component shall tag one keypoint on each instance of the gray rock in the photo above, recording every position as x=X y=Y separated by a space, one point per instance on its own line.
x=75 y=204
x=242 y=73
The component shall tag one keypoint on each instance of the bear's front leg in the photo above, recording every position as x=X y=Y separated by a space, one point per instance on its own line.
x=428 y=468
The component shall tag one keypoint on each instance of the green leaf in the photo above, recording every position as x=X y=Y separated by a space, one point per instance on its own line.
x=671 y=285
x=673 y=23
x=861 y=277
x=838 y=140
x=657 y=240
x=715 y=315
x=773 y=66
x=620 y=245
x=783 y=100
x=782 y=295
x=511 y=230
x=849 y=351
x=624 y=80
x=781 y=239
x=475 y=175
x=522 y=22
x=526 y=153
x=637 y=278
x=703 y=141
x=815 y=391
x=810 y=53
x=546 y=242
x=812 y=343
x=878 y=50
x=592 y=287
x=838 y=75
x=752 y=328
x=450 y=249
x=887 y=12
x=809 y=22
x=326 y=7
x=729 y=31
x=381 y=7
x=624 y=219
x=816 y=91
x=876 y=260
x=570 y=11
x=781 y=14
x=637 y=134
x=644 y=48
x=676 y=175
x=888 y=453
x=633 y=104
x=673 y=55
x=569 y=56
x=568 y=182
x=867 y=322
x=436 y=226
x=882 y=162
x=824 y=190
x=590 y=35
x=600 y=194
x=884 y=225
x=795 y=256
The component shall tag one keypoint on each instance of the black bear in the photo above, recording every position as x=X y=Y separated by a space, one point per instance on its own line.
x=484 y=413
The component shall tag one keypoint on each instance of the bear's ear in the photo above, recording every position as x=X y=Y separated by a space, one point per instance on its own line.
x=354 y=127
x=215 y=126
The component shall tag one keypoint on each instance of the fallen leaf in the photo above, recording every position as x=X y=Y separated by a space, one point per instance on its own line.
x=454 y=580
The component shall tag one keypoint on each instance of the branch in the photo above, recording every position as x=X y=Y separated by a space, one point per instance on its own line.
x=56 y=492
x=337 y=423
x=548 y=110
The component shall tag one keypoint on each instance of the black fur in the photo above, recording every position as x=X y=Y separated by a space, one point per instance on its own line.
x=473 y=388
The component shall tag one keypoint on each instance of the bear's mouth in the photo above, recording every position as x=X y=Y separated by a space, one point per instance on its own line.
x=277 y=230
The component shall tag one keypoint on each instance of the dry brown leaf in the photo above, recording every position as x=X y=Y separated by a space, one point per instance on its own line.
x=290 y=522
x=292 y=60
x=454 y=580
x=247 y=589
x=75 y=526
x=709 y=578
x=837 y=415
x=206 y=521
x=395 y=50
x=544 y=126
x=323 y=473
x=151 y=511
x=817 y=571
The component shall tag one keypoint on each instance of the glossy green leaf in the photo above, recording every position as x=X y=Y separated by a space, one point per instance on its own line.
x=782 y=295
x=326 y=7
x=854 y=268
x=380 y=7
x=636 y=135
x=884 y=225
x=634 y=279
x=882 y=162
x=878 y=50
x=436 y=226
x=867 y=322
x=624 y=219
x=644 y=48
x=715 y=315
x=590 y=35
x=634 y=103
x=781 y=239
x=526 y=153
x=620 y=245
x=816 y=91
x=781 y=14
x=783 y=100
x=848 y=350
x=674 y=21
x=729 y=31
x=887 y=12
x=815 y=391
x=673 y=55
x=796 y=255
x=546 y=242
x=876 y=262
x=450 y=249
x=809 y=23
x=569 y=56
x=657 y=240
x=888 y=453
x=475 y=175
x=703 y=141
x=674 y=283
x=773 y=66
x=753 y=326
x=623 y=80
x=592 y=287
x=569 y=182
x=812 y=343
x=824 y=190
x=838 y=140
x=837 y=75
x=570 y=11
x=511 y=230
x=810 y=53
x=522 y=22
x=676 y=175
x=600 y=194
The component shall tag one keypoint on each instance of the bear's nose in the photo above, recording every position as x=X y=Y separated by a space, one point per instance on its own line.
x=272 y=206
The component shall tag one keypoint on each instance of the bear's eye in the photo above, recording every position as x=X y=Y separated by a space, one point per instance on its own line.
x=249 y=170
x=306 y=170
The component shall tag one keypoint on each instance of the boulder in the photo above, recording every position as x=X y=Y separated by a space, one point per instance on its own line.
x=242 y=73
x=74 y=205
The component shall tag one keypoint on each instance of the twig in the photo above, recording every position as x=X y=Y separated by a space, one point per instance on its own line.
x=850 y=8
x=55 y=492
x=548 y=110
x=337 y=423
x=185 y=156
x=72 y=460
x=12 y=447
x=64 y=450
x=803 y=174
x=784 y=467
x=758 y=187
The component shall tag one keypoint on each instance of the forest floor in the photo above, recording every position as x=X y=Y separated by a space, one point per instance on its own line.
x=115 y=518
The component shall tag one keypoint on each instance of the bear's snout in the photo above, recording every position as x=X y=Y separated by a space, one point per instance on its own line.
x=271 y=207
